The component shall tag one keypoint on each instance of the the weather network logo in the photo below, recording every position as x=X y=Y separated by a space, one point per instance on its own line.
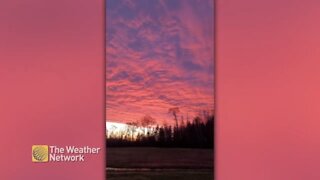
x=40 y=153
x=53 y=153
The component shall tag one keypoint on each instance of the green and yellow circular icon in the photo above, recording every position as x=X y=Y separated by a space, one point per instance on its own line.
x=40 y=153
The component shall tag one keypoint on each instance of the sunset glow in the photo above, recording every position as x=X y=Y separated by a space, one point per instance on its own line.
x=121 y=130
x=159 y=56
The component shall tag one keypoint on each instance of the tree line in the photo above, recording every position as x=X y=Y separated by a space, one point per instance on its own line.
x=198 y=133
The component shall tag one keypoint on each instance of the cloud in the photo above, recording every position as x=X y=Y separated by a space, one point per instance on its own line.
x=159 y=55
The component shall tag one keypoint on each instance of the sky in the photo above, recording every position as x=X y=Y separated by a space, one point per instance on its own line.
x=159 y=56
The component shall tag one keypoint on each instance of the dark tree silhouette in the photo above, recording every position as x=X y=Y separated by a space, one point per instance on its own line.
x=195 y=134
x=147 y=120
x=174 y=111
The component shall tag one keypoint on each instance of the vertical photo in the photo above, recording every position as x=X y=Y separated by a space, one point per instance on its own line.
x=160 y=89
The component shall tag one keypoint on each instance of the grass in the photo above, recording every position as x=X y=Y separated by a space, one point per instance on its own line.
x=159 y=163
x=163 y=175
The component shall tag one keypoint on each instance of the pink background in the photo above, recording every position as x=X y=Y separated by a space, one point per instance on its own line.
x=51 y=76
x=268 y=86
x=52 y=85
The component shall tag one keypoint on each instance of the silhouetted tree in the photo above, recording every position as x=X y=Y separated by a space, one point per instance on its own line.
x=147 y=120
x=174 y=111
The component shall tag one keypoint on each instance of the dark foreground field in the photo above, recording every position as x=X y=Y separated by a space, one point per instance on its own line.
x=159 y=164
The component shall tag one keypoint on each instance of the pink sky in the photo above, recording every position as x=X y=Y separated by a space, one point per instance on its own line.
x=159 y=56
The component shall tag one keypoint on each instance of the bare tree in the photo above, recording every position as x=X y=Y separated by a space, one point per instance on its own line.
x=174 y=111
x=147 y=121
x=131 y=129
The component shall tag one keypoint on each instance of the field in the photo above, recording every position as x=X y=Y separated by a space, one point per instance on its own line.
x=159 y=163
